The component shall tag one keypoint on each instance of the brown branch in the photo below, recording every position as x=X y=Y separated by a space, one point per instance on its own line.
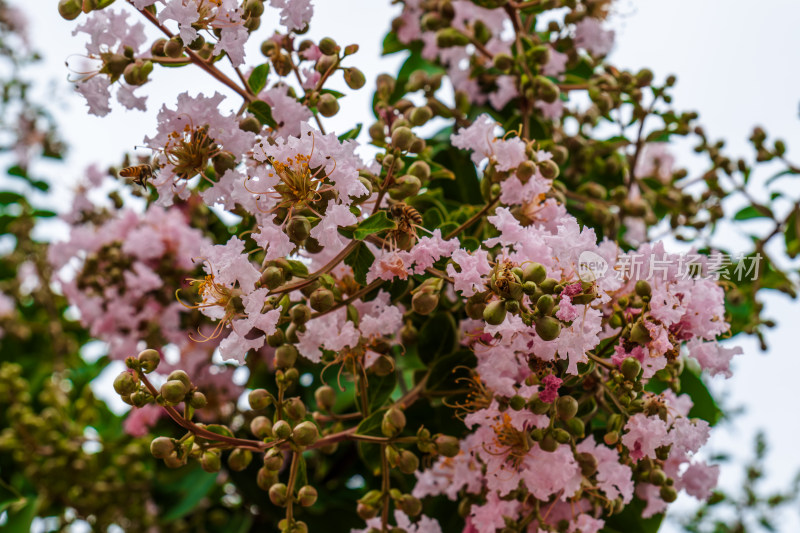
x=199 y=61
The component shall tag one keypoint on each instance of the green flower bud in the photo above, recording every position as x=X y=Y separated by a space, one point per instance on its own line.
x=549 y=169
x=354 y=78
x=253 y=8
x=149 y=360
x=393 y=422
x=69 y=9
x=300 y=314
x=503 y=62
x=548 y=328
x=447 y=445
x=295 y=408
x=250 y=124
x=418 y=146
x=420 y=169
x=328 y=106
x=328 y=46
x=277 y=494
x=383 y=366
x=658 y=477
x=421 y=115
x=547 y=90
x=198 y=400
x=639 y=333
x=402 y=138
x=322 y=300
x=307 y=496
x=211 y=462
x=273 y=459
x=269 y=47
x=566 y=407
x=424 y=302
x=161 y=447
x=409 y=505
x=225 y=161
x=259 y=399
x=298 y=229
x=125 y=384
x=517 y=402
x=407 y=462
x=405 y=186
x=588 y=463
x=377 y=132
x=261 y=427
x=173 y=461
x=548 y=285
x=365 y=512
x=643 y=288
x=181 y=376
x=495 y=312
x=545 y=304
x=174 y=47
x=173 y=391
x=239 y=459
x=272 y=277
x=561 y=436
x=524 y=173
x=447 y=37
x=197 y=44
x=276 y=339
x=668 y=494
x=305 y=434
x=285 y=355
x=631 y=368
x=576 y=427
x=325 y=397
x=266 y=478
x=611 y=438
x=548 y=443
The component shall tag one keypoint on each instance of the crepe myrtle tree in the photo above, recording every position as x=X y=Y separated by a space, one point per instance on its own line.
x=487 y=325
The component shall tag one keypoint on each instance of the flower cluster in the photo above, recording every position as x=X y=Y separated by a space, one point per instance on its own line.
x=432 y=305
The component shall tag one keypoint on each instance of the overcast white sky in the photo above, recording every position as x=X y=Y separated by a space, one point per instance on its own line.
x=737 y=63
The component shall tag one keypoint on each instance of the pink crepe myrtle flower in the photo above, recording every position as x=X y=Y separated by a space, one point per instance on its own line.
x=295 y=14
x=109 y=33
x=480 y=138
x=590 y=35
x=713 y=357
x=643 y=434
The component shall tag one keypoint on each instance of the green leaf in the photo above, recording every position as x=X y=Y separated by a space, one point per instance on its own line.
x=705 y=406
x=8 y=197
x=298 y=268
x=792 y=234
x=351 y=134
x=360 y=259
x=630 y=520
x=786 y=172
x=336 y=94
x=302 y=472
x=380 y=388
x=18 y=171
x=262 y=111
x=437 y=337
x=8 y=496
x=370 y=453
x=258 y=78
x=44 y=213
x=20 y=517
x=374 y=224
x=446 y=370
x=190 y=489
x=219 y=430
x=753 y=211
x=392 y=45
